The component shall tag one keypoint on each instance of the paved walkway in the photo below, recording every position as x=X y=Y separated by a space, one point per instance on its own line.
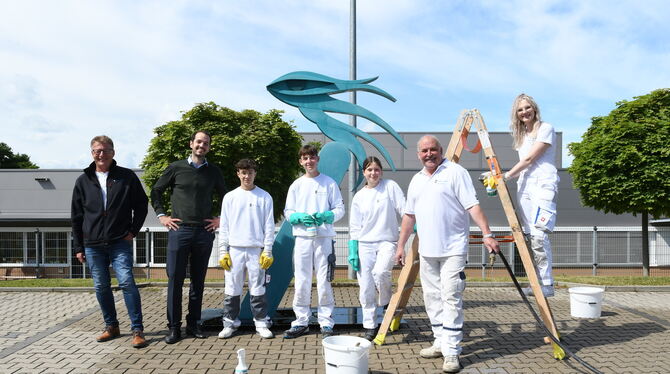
x=54 y=332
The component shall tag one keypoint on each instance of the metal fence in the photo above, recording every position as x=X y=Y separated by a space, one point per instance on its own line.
x=598 y=250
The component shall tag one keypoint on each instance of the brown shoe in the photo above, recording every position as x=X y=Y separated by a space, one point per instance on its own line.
x=110 y=333
x=138 y=339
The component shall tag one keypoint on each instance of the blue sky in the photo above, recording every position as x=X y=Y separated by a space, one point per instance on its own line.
x=70 y=70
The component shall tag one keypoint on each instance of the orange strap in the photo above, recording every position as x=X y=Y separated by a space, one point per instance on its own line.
x=464 y=141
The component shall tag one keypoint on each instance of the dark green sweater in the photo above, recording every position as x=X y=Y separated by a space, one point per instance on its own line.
x=192 y=191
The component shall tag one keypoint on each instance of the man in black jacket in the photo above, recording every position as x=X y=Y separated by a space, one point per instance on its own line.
x=108 y=209
x=191 y=230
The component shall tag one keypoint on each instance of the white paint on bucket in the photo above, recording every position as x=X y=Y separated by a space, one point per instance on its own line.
x=586 y=302
x=346 y=354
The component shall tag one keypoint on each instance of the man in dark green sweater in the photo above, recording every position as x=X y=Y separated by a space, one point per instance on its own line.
x=191 y=229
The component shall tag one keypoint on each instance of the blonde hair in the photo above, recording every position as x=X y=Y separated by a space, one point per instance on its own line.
x=517 y=127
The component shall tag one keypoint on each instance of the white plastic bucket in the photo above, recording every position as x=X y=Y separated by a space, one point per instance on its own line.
x=586 y=302
x=346 y=354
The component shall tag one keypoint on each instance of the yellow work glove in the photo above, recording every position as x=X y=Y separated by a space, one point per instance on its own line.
x=226 y=262
x=266 y=260
x=490 y=182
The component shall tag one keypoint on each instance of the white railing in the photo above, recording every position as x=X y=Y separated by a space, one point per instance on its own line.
x=592 y=247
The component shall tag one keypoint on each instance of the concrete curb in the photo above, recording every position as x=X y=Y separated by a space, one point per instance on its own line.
x=559 y=285
x=66 y=289
x=631 y=288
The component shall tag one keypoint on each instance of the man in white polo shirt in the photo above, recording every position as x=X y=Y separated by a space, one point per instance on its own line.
x=440 y=201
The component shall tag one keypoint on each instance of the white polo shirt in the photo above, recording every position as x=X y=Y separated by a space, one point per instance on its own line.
x=440 y=202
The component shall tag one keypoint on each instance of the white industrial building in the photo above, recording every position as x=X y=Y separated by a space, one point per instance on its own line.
x=35 y=238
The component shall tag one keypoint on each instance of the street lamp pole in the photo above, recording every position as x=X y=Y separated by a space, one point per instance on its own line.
x=352 y=97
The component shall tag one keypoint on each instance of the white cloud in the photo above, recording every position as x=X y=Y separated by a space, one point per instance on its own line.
x=19 y=91
x=76 y=69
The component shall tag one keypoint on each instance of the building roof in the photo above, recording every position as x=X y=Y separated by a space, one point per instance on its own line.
x=660 y=222
x=41 y=196
x=33 y=196
x=406 y=158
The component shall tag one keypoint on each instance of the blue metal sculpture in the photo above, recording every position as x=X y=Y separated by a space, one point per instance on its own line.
x=310 y=92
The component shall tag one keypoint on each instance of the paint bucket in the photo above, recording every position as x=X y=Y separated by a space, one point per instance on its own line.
x=586 y=302
x=310 y=231
x=346 y=354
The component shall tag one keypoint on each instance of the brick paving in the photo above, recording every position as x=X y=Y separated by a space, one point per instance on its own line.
x=54 y=332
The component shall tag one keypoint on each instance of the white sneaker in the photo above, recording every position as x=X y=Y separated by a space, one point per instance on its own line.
x=227 y=332
x=434 y=351
x=265 y=332
x=451 y=364
x=548 y=291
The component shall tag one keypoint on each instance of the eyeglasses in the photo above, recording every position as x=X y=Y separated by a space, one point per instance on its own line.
x=102 y=151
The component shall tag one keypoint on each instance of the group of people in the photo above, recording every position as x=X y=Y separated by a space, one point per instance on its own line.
x=109 y=207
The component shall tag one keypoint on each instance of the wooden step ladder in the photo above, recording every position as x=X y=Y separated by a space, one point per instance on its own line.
x=408 y=274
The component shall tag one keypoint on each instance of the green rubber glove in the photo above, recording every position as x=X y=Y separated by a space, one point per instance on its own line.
x=324 y=217
x=304 y=218
x=353 y=255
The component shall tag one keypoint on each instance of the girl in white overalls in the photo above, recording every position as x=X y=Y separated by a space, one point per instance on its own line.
x=538 y=182
x=373 y=228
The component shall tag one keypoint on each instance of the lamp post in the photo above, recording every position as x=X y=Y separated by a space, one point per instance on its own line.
x=352 y=119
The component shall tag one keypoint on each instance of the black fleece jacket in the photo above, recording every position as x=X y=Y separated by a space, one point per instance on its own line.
x=94 y=225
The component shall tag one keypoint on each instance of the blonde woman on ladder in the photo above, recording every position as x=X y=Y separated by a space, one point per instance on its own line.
x=537 y=186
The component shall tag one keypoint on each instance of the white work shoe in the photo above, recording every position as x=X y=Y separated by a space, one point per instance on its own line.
x=265 y=332
x=227 y=332
x=451 y=364
x=434 y=351
x=548 y=291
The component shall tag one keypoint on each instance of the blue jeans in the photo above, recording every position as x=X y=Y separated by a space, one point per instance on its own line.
x=120 y=255
x=192 y=243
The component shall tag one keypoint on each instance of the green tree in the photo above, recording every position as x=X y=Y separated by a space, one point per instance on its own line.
x=264 y=137
x=11 y=160
x=622 y=163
